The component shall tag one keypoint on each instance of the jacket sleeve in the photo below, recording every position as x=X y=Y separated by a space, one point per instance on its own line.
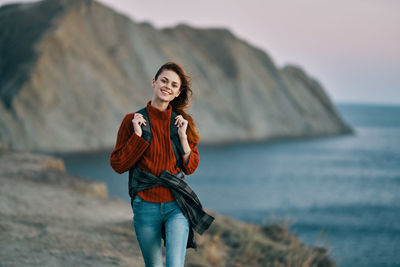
x=129 y=147
x=193 y=161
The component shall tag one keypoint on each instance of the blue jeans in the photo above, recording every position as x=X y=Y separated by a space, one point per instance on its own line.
x=147 y=220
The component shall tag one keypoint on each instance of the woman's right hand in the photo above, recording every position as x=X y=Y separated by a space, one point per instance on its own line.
x=137 y=121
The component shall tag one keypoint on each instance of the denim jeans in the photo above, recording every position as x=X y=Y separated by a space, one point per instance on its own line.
x=147 y=221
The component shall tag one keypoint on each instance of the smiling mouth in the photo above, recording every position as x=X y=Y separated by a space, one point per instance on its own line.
x=165 y=91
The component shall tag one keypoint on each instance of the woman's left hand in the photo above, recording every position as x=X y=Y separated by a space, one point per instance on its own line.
x=182 y=125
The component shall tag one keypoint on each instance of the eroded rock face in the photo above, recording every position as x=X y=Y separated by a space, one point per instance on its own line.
x=50 y=218
x=82 y=66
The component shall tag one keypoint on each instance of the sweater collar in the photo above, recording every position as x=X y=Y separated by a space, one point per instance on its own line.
x=157 y=113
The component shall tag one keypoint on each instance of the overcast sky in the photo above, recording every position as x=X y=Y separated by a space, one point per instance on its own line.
x=352 y=47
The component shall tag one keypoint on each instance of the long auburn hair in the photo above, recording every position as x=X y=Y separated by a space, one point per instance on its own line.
x=183 y=101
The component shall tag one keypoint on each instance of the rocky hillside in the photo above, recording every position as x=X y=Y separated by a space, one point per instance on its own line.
x=71 y=69
x=50 y=218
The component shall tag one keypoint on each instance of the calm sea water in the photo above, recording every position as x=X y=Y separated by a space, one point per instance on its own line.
x=342 y=193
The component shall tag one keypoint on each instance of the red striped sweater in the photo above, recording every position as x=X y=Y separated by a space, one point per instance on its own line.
x=156 y=156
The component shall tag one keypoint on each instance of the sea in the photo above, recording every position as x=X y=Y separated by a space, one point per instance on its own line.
x=338 y=192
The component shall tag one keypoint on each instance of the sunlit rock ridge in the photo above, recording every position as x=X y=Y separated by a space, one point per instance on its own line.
x=71 y=70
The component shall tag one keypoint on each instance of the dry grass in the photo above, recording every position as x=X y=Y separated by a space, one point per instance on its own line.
x=237 y=244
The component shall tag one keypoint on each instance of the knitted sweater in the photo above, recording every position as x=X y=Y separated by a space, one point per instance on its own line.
x=153 y=157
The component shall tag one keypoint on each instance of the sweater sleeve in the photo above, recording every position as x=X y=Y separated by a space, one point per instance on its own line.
x=129 y=147
x=193 y=161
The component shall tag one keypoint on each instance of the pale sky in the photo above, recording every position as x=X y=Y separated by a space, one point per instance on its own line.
x=352 y=47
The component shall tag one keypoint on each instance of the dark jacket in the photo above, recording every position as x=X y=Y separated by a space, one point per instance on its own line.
x=185 y=197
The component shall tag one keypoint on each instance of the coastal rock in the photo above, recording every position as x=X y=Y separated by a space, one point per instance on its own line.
x=71 y=70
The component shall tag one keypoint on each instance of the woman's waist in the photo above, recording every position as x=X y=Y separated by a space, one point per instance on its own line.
x=157 y=194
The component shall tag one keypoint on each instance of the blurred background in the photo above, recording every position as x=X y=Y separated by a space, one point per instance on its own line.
x=297 y=103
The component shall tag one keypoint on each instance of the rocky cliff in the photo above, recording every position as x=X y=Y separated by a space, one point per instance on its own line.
x=71 y=69
x=51 y=218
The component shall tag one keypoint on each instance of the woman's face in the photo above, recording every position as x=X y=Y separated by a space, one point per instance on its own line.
x=167 y=85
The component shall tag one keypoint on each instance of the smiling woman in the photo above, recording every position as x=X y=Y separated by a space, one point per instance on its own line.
x=164 y=206
x=168 y=80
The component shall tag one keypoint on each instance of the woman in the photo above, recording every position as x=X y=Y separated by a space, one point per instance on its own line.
x=158 y=208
